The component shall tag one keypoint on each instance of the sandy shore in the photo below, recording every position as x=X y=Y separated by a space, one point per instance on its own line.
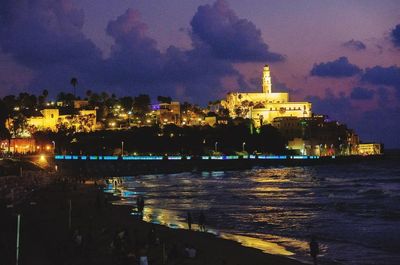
x=47 y=239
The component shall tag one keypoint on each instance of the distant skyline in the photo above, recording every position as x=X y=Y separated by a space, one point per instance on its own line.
x=343 y=56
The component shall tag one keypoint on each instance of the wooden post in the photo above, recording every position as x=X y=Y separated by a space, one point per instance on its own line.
x=18 y=232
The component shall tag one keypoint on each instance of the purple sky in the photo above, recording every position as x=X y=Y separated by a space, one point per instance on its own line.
x=344 y=56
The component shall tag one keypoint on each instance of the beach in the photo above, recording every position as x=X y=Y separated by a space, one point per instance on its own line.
x=45 y=236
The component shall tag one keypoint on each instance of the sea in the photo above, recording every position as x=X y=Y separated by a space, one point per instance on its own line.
x=353 y=210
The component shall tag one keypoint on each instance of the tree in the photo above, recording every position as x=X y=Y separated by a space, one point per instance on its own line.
x=74 y=83
x=45 y=93
x=186 y=106
x=141 y=104
x=89 y=93
x=67 y=98
x=19 y=125
x=94 y=99
x=163 y=99
x=4 y=114
x=10 y=103
x=126 y=103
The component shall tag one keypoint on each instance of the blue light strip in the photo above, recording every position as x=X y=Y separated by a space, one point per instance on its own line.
x=229 y=157
x=271 y=157
x=142 y=158
x=299 y=157
x=110 y=157
x=174 y=158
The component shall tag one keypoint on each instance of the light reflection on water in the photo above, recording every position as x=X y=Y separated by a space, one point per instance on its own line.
x=278 y=209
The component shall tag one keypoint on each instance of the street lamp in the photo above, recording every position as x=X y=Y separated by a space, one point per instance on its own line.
x=122 y=148
x=216 y=146
x=243 y=144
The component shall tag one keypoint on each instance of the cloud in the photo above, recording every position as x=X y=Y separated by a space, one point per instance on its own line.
x=336 y=107
x=45 y=33
x=134 y=57
x=136 y=62
x=45 y=36
x=395 y=35
x=379 y=75
x=361 y=93
x=354 y=45
x=229 y=36
x=338 y=69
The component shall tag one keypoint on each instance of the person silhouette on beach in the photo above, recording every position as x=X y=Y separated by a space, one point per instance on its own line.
x=314 y=249
x=189 y=220
x=202 y=221
x=140 y=204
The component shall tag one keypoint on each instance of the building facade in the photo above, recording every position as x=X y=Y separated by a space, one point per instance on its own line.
x=263 y=107
x=370 y=149
x=83 y=121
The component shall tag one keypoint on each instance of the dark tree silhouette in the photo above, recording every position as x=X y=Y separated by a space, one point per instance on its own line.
x=4 y=114
x=163 y=99
x=141 y=104
x=74 y=83
x=89 y=93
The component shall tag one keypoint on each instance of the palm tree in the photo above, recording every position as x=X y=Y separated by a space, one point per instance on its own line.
x=45 y=93
x=89 y=94
x=74 y=83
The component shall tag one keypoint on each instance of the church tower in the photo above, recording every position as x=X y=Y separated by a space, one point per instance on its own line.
x=266 y=80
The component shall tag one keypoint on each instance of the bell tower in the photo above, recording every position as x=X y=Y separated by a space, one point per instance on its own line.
x=266 y=80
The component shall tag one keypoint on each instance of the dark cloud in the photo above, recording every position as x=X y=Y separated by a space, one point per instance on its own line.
x=337 y=69
x=361 y=93
x=136 y=61
x=45 y=33
x=45 y=36
x=135 y=58
x=395 y=35
x=354 y=45
x=229 y=36
x=387 y=76
x=336 y=107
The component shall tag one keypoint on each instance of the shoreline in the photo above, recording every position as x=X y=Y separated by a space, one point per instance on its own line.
x=110 y=166
x=46 y=239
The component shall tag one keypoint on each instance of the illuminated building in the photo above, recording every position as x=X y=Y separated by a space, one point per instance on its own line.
x=51 y=119
x=48 y=120
x=370 y=149
x=166 y=113
x=19 y=145
x=263 y=107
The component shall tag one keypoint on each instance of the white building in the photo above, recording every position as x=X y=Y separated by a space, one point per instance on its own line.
x=263 y=107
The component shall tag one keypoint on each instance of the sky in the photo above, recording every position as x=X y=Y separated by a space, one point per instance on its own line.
x=343 y=56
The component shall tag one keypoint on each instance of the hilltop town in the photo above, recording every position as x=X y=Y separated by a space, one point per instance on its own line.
x=263 y=121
